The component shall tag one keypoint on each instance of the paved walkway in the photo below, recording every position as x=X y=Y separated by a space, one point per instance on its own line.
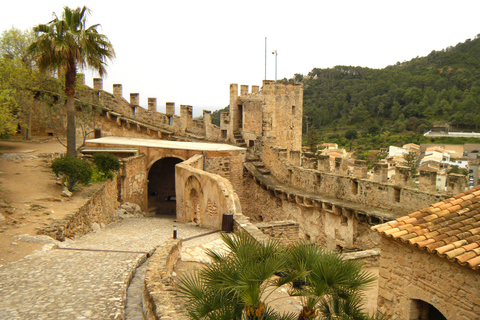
x=90 y=283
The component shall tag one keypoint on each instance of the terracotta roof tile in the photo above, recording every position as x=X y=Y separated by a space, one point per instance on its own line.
x=449 y=228
x=466 y=256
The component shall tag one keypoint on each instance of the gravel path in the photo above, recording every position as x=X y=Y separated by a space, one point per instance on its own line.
x=89 y=282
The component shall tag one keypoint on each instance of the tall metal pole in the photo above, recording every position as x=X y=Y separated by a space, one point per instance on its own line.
x=276 y=54
x=265 y=58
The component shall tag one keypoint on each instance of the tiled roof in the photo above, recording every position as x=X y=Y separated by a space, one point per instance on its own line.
x=450 y=229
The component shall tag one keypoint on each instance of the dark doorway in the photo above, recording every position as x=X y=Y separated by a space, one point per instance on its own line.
x=161 y=186
x=423 y=310
x=240 y=116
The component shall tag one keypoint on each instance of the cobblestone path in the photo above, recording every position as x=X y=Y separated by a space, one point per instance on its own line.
x=90 y=283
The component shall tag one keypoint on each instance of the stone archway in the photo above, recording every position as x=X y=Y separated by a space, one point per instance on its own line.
x=422 y=310
x=161 y=186
x=194 y=204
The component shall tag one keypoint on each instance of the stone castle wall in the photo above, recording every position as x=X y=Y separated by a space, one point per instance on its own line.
x=203 y=197
x=392 y=197
x=132 y=120
x=408 y=275
x=274 y=113
x=98 y=209
x=132 y=183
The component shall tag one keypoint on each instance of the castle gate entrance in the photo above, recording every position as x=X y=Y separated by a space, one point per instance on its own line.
x=161 y=186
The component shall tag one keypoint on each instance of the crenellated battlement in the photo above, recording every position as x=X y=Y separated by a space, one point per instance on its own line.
x=150 y=122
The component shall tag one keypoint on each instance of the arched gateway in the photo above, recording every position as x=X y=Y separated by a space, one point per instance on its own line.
x=147 y=176
x=161 y=186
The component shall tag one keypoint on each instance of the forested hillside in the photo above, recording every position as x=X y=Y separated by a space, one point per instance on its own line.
x=444 y=86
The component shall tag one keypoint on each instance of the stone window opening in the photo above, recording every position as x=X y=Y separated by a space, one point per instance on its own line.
x=344 y=221
x=169 y=120
x=354 y=187
x=289 y=175
x=224 y=134
x=318 y=180
x=293 y=110
x=251 y=143
x=396 y=194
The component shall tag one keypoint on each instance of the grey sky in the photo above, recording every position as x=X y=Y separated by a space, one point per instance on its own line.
x=189 y=52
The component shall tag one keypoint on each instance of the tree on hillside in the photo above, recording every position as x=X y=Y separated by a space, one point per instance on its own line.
x=410 y=161
x=63 y=45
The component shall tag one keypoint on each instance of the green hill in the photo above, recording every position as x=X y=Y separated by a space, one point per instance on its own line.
x=409 y=96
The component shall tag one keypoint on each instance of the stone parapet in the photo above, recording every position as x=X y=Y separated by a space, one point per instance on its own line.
x=98 y=209
x=160 y=298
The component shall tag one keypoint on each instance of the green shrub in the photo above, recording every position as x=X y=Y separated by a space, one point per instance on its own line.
x=106 y=163
x=75 y=170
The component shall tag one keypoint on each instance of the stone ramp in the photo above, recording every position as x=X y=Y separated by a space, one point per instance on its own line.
x=88 y=283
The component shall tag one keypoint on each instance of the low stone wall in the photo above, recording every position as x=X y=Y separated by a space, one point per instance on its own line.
x=287 y=232
x=160 y=299
x=99 y=208
x=369 y=258
x=203 y=197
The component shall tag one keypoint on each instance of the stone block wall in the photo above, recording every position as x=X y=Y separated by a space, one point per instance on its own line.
x=408 y=275
x=132 y=184
x=287 y=232
x=203 y=197
x=99 y=208
x=149 y=123
x=160 y=298
x=325 y=224
x=396 y=198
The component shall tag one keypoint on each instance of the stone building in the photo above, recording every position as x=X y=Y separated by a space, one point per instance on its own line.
x=272 y=115
x=430 y=261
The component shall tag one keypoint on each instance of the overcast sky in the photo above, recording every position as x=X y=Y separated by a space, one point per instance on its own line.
x=188 y=52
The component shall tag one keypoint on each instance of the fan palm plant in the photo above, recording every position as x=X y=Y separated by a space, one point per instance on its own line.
x=332 y=286
x=64 y=44
x=236 y=284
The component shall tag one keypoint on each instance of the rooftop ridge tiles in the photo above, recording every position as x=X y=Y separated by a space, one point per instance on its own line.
x=445 y=206
x=468 y=197
x=415 y=214
x=445 y=248
x=416 y=239
x=474 y=263
x=475 y=231
x=424 y=243
x=452 y=254
x=399 y=234
x=405 y=226
x=409 y=221
x=431 y=234
x=457 y=201
x=437 y=244
x=454 y=208
x=405 y=237
x=430 y=217
x=390 y=231
x=404 y=217
x=438 y=204
x=471 y=246
x=438 y=220
x=423 y=231
x=442 y=213
x=465 y=256
x=382 y=229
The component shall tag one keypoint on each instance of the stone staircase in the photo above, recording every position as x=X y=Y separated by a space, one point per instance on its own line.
x=257 y=163
x=239 y=141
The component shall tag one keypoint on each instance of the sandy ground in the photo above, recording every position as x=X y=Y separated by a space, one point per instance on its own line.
x=29 y=194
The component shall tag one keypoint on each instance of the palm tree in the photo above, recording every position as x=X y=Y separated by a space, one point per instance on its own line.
x=332 y=286
x=235 y=285
x=63 y=45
